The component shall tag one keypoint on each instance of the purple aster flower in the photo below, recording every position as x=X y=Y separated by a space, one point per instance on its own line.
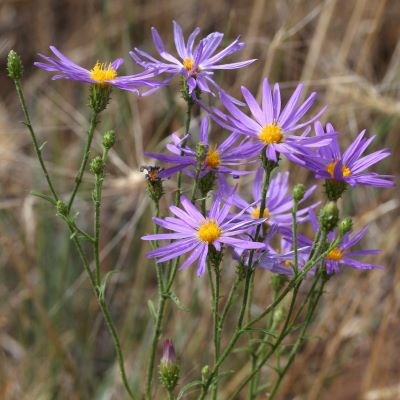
x=100 y=74
x=219 y=158
x=279 y=201
x=196 y=64
x=194 y=233
x=342 y=256
x=271 y=126
x=329 y=163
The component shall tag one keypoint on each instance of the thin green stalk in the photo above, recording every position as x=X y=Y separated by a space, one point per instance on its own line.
x=90 y=133
x=312 y=306
x=38 y=149
x=295 y=244
x=217 y=333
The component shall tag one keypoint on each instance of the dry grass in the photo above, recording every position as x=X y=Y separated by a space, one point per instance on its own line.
x=53 y=342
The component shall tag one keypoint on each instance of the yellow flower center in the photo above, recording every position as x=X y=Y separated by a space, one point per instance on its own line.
x=331 y=168
x=188 y=63
x=335 y=254
x=213 y=159
x=255 y=213
x=102 y=73
x=209 y=231
x=271 y=133
x=288 y=264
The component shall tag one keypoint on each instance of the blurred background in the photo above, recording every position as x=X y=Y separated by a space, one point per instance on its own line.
x=53 y=341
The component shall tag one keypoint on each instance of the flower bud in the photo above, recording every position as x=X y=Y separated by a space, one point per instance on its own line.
x=154 y=182
x=298 y=192
x=329 y=216
x=14 y=66
x=97 y=165
x=169 y=369
x=201 y=152
x=345 y=225
x=99 y=96
x=204 y=373
x=206 y=183
x=109 y=140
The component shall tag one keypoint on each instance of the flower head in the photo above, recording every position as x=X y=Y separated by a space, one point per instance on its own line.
x=195 y=63
x=99 y=74
x=222 y=159
x=269 y=126
x=194 y=233
x=329 y=163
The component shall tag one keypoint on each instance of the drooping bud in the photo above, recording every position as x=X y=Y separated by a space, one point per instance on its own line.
x=154 y=182
x=99 y=97
x=14 y=66
x=329 y=216
x=169 y=369
x=345 y=225
x=298 y=192
x=109 y=140
x=334 y=189
x=97 y=165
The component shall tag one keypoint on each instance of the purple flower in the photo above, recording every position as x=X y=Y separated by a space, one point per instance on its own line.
x=279 y=201
x=341 y=256
x=100 y=74
x=197 y=63
x=194 y=233
x=329 y=163
x=219 y=158
x=270 y=126
x=168 y=356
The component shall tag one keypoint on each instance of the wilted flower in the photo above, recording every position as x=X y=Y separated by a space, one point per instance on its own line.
x=169 y=369
x=195 y=64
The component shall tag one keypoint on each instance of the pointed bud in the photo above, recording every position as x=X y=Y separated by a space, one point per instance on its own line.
x=345 y=226
x=329 y=216
x=204 y=373
x=169 y=369
x=14 y=66
x=298 y=192
x=109 y=140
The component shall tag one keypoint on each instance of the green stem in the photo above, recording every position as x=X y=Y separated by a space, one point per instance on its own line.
x=34 y=140
x=217 y=333
x=90 y=133
x=295 y=244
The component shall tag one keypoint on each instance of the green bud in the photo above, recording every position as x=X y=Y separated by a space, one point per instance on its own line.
x=278 y=315
x=99 y=97
x=201 y=152
x=109 y=140
x=206 y=183
x=62 y=208
x=154 y=182
x=204 y=373
x=329 y=216
x=97 y=165
x=345 y=225
x=298 y=192
x=277 y=282
x=14 y=66
x=334 y=189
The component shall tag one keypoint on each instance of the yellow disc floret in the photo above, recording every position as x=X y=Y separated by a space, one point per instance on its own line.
x=271 y=133
x=188 y=63
x=255 y=213
x=335 y=254
x=213 y=159
x=331 y=168
x=209 y=231
x=101 y=73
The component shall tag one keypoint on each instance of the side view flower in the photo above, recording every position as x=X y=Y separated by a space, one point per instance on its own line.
x=100 y=74
x=268 y=125
x=195 y=63
x=194 y=233
x=329 y=163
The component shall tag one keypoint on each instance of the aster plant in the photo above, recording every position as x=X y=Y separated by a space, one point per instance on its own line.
x=235 y=236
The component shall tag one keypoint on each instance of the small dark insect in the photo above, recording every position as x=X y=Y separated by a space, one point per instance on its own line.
x=151 y=173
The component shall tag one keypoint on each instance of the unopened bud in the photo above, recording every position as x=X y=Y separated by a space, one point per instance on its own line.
x=109 y=140
x=154 y=182
x=14 y=66
x=169 y=369
x=62 y=208
x=345 y=225
x=204 y=373
x=97 y=165
x=201 y=152
x=329 y=216
x=298 y=192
